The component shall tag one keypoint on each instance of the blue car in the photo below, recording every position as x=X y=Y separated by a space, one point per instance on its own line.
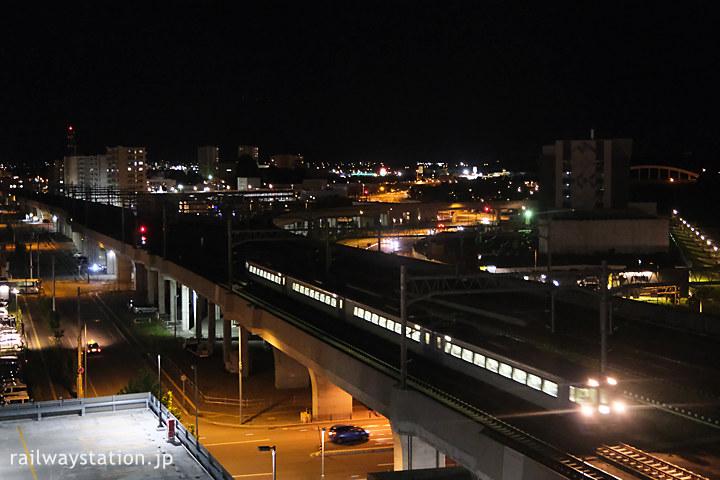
x=347 y=433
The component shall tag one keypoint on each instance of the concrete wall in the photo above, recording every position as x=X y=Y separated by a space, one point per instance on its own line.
x=588 y=237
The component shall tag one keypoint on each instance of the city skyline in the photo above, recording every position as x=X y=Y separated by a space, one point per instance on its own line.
x=396 y=83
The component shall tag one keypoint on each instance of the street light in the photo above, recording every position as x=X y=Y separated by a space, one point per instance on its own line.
x=265 y=448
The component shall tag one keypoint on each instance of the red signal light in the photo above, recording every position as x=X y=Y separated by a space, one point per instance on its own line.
x=142 y=229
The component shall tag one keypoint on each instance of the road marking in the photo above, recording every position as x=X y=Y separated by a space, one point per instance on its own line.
x=386 y=464
x=235 y=443
x=27 y=454
x=37 y=341
x=251 y=475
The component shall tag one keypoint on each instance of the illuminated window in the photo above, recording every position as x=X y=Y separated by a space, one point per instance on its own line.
x=551 y=388
x=467 y=355
x=492 y=365
x=519 y=376
x=533 y=381
x=479 y=360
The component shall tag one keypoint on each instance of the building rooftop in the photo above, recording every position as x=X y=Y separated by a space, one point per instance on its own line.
x=121 y=444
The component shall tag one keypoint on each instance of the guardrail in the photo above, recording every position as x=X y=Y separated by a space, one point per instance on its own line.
x=74 y=406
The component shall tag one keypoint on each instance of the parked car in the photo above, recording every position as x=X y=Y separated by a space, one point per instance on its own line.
x=9 y=368
x=347 y=433
x=19 y=397
x=141 y=308
x=13 y=386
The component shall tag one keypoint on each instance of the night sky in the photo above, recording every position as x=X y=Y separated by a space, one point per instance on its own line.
x=390 y=81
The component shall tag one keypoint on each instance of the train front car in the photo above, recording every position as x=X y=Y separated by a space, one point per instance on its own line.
x=599 y=399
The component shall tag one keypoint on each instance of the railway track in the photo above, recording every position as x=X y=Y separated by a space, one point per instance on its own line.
x=643 y=465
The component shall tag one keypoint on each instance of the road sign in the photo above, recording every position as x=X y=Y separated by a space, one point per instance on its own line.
x=81 y=370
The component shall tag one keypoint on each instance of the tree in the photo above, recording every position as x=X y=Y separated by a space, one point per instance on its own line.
x=146 y=381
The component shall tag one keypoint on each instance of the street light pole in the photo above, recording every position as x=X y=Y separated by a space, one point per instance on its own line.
x=79 y=350
x=197 y=431
x=322 y=447
x=160 y=424
x=265 y=448
x=403 y=331
x=603 y=317
x=53 y=280
x=240 y=373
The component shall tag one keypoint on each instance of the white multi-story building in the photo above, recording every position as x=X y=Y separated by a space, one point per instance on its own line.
x=83 y=172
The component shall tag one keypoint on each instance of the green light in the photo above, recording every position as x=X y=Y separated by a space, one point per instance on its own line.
x=528 y=214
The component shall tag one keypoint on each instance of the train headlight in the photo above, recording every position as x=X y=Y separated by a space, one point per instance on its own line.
x=604 y=409
x=593 y=383
x=619 y=407
x=586 y=410
x=611 y=381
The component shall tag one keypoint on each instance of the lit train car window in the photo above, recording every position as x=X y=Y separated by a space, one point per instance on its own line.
x=505 y=370
x=416 y=336
x=492 y=365
x=479 y=360
x=383 y=322
x=456 y=351
x=326 y=298
x=280 y=280
x=375 y=318
x=390 y=325
x=551 y=388
x=467 y=355
x=427 y=338
x=398 y=328
x=368 y=315
x=534 y=381
x=520 y=376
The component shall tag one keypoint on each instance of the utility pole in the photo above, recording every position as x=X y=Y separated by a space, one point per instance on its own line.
x=53 y=280
x=38 y=255
x=164 y=230
x=85 y=372
x=603 y=317
x=240 y=372
x=80 y=393
x=229 y=252
x=122 y=219
x=403 y=332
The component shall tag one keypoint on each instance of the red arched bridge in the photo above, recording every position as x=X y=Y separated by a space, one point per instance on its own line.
x=661 y=174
